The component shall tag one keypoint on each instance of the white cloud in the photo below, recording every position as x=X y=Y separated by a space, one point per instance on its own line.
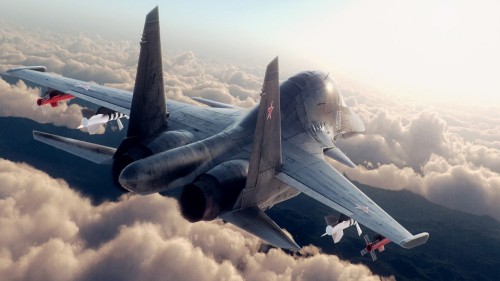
x=113 y=63
x=425 y=150
x=50 y=232
x=18 y=100
x=464 y=187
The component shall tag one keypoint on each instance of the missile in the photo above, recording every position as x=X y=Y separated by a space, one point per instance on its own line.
x=335 y=227
x=52 y=97
x=378 y=243
x=92 y=123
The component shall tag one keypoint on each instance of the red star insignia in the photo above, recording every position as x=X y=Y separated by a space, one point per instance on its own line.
x=270 y=110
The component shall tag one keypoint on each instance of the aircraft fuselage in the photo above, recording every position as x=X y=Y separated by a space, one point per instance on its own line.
x=311 y=108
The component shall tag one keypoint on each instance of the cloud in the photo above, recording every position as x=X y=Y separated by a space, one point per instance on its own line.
x=18 y=100
x=388 y=140
x=50 y=232
x=77 y=56
x=187 y=76
x=448 y=156
x=113 y=63
x=464 y=187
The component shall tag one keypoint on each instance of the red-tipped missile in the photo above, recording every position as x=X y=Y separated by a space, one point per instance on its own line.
x=378 y=243
x=53 y=98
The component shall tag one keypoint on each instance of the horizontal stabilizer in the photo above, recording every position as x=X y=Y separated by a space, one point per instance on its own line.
x=256 y=222
x=336 y=154
x=214 y=104
x=90 y=151
x=358 y=228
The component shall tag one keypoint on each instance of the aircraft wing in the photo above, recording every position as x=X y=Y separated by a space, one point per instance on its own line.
x=324 y=183
x=114 y=99
x=204 y=119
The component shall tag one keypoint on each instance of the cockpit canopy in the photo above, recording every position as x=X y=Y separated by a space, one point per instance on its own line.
x=314 y=99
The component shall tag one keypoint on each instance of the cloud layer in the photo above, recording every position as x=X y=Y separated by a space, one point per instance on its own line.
x=50 y=232
x=18 y=101
x=114 y=63
x=449 y=156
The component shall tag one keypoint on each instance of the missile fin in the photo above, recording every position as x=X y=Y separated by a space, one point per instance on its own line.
x=337 y=235
x=93 y=128
x=120 y=124
x=358 y=228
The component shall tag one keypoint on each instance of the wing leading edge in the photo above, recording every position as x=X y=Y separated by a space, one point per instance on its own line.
x=114 y=99
x=325 y=184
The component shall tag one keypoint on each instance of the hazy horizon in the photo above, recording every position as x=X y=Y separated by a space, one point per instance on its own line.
x=444 y=52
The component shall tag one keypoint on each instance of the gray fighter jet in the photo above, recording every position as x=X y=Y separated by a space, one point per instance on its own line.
x=231 y=163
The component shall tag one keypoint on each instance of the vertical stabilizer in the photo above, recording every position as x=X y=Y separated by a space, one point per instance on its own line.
x=148 y=111
x=266 y=152
x=265 y=160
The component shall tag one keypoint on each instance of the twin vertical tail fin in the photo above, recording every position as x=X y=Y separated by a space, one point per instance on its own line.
x=148 y=113
x=265 y=162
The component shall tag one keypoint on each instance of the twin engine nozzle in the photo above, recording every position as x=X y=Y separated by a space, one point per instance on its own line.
x=205 y=194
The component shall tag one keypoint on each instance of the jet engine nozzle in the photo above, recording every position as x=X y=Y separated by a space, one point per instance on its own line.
x=199 y=201
x=214 y=192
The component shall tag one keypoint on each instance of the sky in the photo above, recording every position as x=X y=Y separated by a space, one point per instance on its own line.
x=440 y=51
x=398 y=64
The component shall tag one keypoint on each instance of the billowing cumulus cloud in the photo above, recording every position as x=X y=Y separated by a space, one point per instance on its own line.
x=462 y=187
x=113 y=63
x=50 y=232
x=448 y=156
x=18 y=101
x=388 y=140
x=188 y=77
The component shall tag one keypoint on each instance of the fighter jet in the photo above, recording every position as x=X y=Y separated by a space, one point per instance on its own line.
x=231 y=163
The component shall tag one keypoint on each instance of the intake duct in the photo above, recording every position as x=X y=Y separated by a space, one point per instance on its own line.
x=213 y=192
